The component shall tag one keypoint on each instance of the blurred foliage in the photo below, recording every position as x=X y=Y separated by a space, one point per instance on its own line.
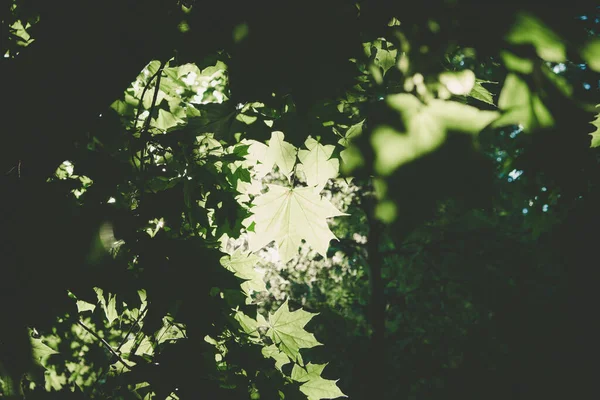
x=191 y=235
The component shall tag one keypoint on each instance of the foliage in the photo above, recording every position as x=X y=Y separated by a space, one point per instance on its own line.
x=214 y=251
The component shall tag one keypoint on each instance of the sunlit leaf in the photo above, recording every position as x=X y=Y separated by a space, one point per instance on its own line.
x=244 y=267
x=528 y=29
x=279 y=356
x=289 y=215
x=591 y=54
x=480 y=93
x=318 y=166
x=286 y=329
x=458 y=83
x=521 y=106
x=426 y=127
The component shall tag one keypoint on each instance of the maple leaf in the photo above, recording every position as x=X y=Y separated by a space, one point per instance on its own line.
x=317 y=164
x=286 y=329
x=315 y=387
x=280 y=358
x=243 y=266
x=278 y=152
x=289 y=215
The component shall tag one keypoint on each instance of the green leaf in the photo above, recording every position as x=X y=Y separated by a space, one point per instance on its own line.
x=243 y=266
x=288 y=215
x=317 y=164
x=286 y=329
x=426 y=127
x=166 y=120
x=458 y=83
x=108 y=305
x=591 y=54
x=41 y=351
x=282 y=153
x=83 y=306
x=515 y=63
x=596 y=134
x=480 y=93
x=319 y=388
x=273 y=352
x=521 y=106
x=529 y=29
x=308 y=372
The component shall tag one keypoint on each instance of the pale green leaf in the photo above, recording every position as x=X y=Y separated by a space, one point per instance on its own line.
x=244 y=267
x=83 y=306
x=282 y=153
x=516 y=64
x=308 y=372
x=41 y=351
x=318 y=166
x=286 y=329
x=319 y=388
x=458 y=83
x=273 y=352
x=528 y=29
x=108 y=305
x=480 y=93
x=591 y=53
x=521 y=106
x=166 y=120
x=248 y=324
x=426 y=127
x=288 y=215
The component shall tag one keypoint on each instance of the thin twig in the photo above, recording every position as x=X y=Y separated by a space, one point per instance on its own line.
x=137 y=321
x=105 y=343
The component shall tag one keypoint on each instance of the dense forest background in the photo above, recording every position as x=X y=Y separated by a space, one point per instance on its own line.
x=292 y=200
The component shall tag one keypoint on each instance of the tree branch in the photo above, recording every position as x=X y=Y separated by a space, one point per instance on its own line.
x=105 y=343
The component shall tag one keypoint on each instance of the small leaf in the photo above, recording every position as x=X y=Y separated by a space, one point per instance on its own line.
x=286 y=329
x=480 y=93
x=528 y=29
x=521 y=106
x=317 y=163
x=591 y=54
x=319 y=388
x=83 y=306
x=243 y=266
x=109 y=306
x=308 y=372
x=282 y=153
x=273 y=352
x=458 y=83
x=41 y=351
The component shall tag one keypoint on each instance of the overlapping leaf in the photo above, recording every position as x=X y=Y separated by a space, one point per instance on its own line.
x=317 y=164
x=316 y=387
x=286 y=329
x=290 y=215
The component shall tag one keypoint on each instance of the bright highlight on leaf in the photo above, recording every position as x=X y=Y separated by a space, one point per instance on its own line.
x=286 y=329
x=426 y=129
x=458 y=83
x=316 y=387
x=528 y=29
x=521 y=106
x=318 y=166
x=290 y=215
x=591 y=54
